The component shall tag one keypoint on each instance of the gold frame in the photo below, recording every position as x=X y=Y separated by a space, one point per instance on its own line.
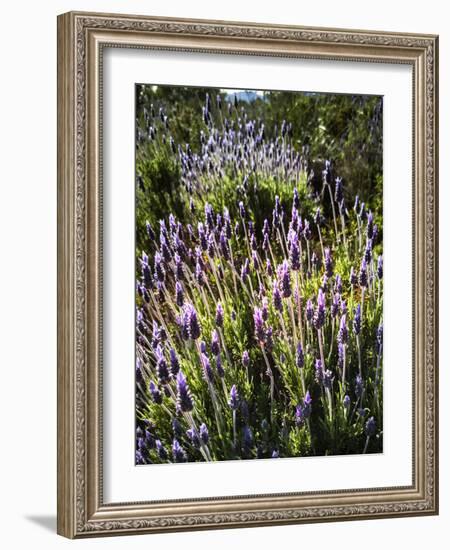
x=81 y=37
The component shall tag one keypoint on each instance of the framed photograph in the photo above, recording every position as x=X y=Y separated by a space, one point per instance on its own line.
x=247 y=283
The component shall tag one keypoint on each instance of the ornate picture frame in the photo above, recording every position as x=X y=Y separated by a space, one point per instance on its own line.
x=82 y=37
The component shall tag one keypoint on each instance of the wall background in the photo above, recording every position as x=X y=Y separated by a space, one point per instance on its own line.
x=28 y=270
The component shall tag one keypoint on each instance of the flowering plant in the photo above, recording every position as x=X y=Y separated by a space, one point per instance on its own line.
x=259 y=290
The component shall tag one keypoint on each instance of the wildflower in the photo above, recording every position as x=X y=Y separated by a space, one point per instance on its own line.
x=219 y=315
x=204 y=435
x=178 y=453
x=161 y=366
x=174 y=363
x=357 y=320
x=245 y=359
x=343 y=330
x=285 y=278
x=294 y=253
x=179 y=294
x=194 y=437
x=234 y=398
x=380 y=267
x=162 y=453
x=276 y=297
x=219 y=367
x=215 y=343
x=190 y=322
x=319 y=316
x=346 y=401
x=155 y=393
x=259 y=324
x=299 y=357
x=184 y=398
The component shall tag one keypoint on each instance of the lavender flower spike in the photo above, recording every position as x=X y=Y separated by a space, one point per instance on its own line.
x=234 y=398
x=357 y=320
x=259 y=324
x=215 y=343
x=299 y=357
x=319 y=316
x=219 y=315
x=179 y=454
x=184 y=398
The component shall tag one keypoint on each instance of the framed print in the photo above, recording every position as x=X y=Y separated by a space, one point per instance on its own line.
x=247 y=285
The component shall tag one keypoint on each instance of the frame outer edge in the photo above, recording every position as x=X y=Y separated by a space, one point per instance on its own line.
x=75 y=482
x=65 y=280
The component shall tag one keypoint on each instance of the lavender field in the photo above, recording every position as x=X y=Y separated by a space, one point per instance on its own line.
x=259 y=275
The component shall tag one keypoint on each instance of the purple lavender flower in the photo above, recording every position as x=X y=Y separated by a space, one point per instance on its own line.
x=162 y=369
x=234 y=398
x=266 y=228
x=245 y=269
x=328 y=262
x=184 y=398
x=264 y=306
x=203 y=346
x=343 y=330
x=179 y=294
x=294 y=253
x=299 y=415
x=202 y=236
x=363 y=274
x=174 y=363
x=357 y=320
x=299 y=356
x=190 y=322
x=296 y=199
x=259 y=324
x=204 y=435
x=269 y=268
x=275 y=454
x=276 y=297
x=319 y=315
x=179 y=272
x=160 y=273
x=150 y=232
x=208 y=374
x=380 y=267
x=307 y=233
x=223 y=242
x=178 y=453
x=211 y=245
x=242 y=210
x=215 y=343
x=155 y=393
x=139 y=374
x=285 y=278
x=346 y=402
x=368 y=250
x=162 y=453
x=219 y=315
x=193 y=437
x=353 y=277
x=245 y=359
